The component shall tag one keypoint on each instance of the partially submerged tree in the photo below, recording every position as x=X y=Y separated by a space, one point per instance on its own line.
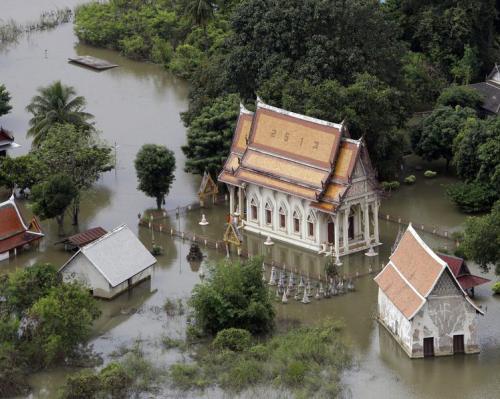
x=57 y=104
x=5 y=106
x=155 y=166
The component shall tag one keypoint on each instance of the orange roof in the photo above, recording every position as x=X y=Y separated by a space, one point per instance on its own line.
x=346 y=160
x=276 y=184
x=334 y=192
x=10 y=221
x=228 y=178
x=324 y=206
x=412 y=273
x=242 y=132
x=402 y=295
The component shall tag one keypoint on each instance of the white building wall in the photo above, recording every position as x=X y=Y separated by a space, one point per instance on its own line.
x=395 y=321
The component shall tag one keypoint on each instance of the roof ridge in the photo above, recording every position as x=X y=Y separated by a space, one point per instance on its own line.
x=406 y=280
x=104 y=237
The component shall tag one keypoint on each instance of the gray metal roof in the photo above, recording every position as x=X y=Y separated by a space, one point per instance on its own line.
x=491 y=93
x=118 y=255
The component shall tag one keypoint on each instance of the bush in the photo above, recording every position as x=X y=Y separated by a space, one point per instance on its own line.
x=390 y=185
x=430 y=174
x=496 y=288
x=472 y=197
x=186 y=60
x=410 y=179
x=186 y=376
x=234 y=339
x=115 y=380
x=82 y=385
x=233 y=295
x=156 y=250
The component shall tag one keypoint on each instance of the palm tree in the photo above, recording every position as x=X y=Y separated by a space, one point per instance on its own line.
x=200 y=12
x=56 y=104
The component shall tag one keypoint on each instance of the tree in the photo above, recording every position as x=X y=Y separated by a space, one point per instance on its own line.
x=472 y=197
x=57 y=104
x=433 y=138
x=233 y=295
x=460 y=95
x=200 y=12
x=465 y=69
x=77 y=154
x=52 y=197
x=22 y=172
x=209 y=136
x=5 y=106
x=482 y=238
x=62 y=321
x=155 y=166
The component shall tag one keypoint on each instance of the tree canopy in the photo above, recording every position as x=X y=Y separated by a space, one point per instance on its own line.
x=5 y=106
x=460 y=95
x=155 y=167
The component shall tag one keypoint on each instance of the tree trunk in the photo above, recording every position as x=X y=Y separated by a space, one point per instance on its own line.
x=159 y=202
x=60 y=225
x=76 y=210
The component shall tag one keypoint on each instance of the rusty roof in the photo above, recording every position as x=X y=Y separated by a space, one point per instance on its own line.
x=86 y=237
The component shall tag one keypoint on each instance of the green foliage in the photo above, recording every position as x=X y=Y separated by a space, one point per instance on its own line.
x=156 y=250
x=185 y=60
x=496 y=288
x=63 y=320
x=460 y=95
x=209 y=136
x=482 y=238
x=390 y=185
x=5 y=106
x=82 y=385
x=472 y=197
x=307 y=361
x=410 y=179
x=233 y=295
x=465 y=69
x=53 y=105
x=115 y=380
x=12 y=376
x=233 y=339
x=430 y=174
x=22 y=172
x=433 y=137
x=155 y=166
x=51 y=198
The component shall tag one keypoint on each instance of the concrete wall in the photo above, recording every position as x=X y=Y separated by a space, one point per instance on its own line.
x=80 y=269
x=390 y=316
x=446 y=313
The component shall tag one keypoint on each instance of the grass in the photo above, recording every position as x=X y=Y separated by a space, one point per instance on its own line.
x=307 y=361
x=174 y=307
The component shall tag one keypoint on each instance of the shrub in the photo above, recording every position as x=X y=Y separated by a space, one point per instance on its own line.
x=186 y=376
x=295 y=373
x=496 y=288
x=82 y=385
x=246 y=372
x=186 y=60
x=156 y=250
x=234 y=339
x=430 y=174
x=472 y=197
x=390 y=185
x=115 y=380
x=410 y=179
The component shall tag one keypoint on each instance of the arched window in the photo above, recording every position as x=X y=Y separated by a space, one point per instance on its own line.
x=269 y=213
x=311 y=224
x=282 y=213
x=253 y=209
x=296 y=222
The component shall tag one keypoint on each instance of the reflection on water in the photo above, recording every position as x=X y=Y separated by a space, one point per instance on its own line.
x=139 y=103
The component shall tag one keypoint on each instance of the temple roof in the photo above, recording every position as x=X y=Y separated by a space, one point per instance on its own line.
x=462 y=272
x=412 y=273
x=292 y=153
x=14 y=232
x=7 y=140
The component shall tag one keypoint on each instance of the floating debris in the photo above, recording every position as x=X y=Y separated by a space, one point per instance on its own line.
x=92 y=62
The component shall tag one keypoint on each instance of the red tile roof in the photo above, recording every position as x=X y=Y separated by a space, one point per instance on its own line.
x=10 y=221
x=462 y=273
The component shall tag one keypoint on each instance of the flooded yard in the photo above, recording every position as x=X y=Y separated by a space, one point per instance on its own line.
x=139 y=103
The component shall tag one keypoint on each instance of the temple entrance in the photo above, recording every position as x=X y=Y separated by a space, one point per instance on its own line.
x=429 y=347
x=331 y=232
x=458 y=344
x=350 y=231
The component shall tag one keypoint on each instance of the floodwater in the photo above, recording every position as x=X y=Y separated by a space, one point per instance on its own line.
x=139 y=103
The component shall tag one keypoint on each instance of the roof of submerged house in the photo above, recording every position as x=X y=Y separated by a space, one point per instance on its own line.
x=412 y=273
x=14 y=232
x=7 y=140
x=462 y=272
x=490 y=90
x=85 y=237
x=292 y=153
x=117 y=255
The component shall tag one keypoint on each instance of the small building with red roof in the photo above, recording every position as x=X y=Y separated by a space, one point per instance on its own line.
x=15 y=234
x=422 y=303
x=460 y=270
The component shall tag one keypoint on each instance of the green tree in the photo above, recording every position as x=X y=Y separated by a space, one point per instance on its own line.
x=465 y=69
x=51 y=198
x=63 y=320
x=155 y=166
x=433 y=138
x=57 y=104
x=77 y=154
x=482 y=238
x=200 y=12
x=472 y=197
x=462 y=96
x=22 y=172
x=5 y=106
x=209 y=136
x=233 y=295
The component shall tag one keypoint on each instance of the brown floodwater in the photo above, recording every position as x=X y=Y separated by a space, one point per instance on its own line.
x=139 y=103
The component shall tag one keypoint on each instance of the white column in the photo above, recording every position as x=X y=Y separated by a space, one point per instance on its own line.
x=375 y=220
x=231 y=200
x=240 y=201
x=367 y=223
x=346 y=230
x=337 y=233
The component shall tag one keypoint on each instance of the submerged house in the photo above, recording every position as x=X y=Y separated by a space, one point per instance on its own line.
x=422 y=304
x=303 y=181
x=15 y=234
x=111 y=264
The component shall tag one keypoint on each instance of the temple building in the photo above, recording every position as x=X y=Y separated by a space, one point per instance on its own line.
x=6 y=142
x=303 y=181
x=423 y=305
x=490 y=91
x=15 y=234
